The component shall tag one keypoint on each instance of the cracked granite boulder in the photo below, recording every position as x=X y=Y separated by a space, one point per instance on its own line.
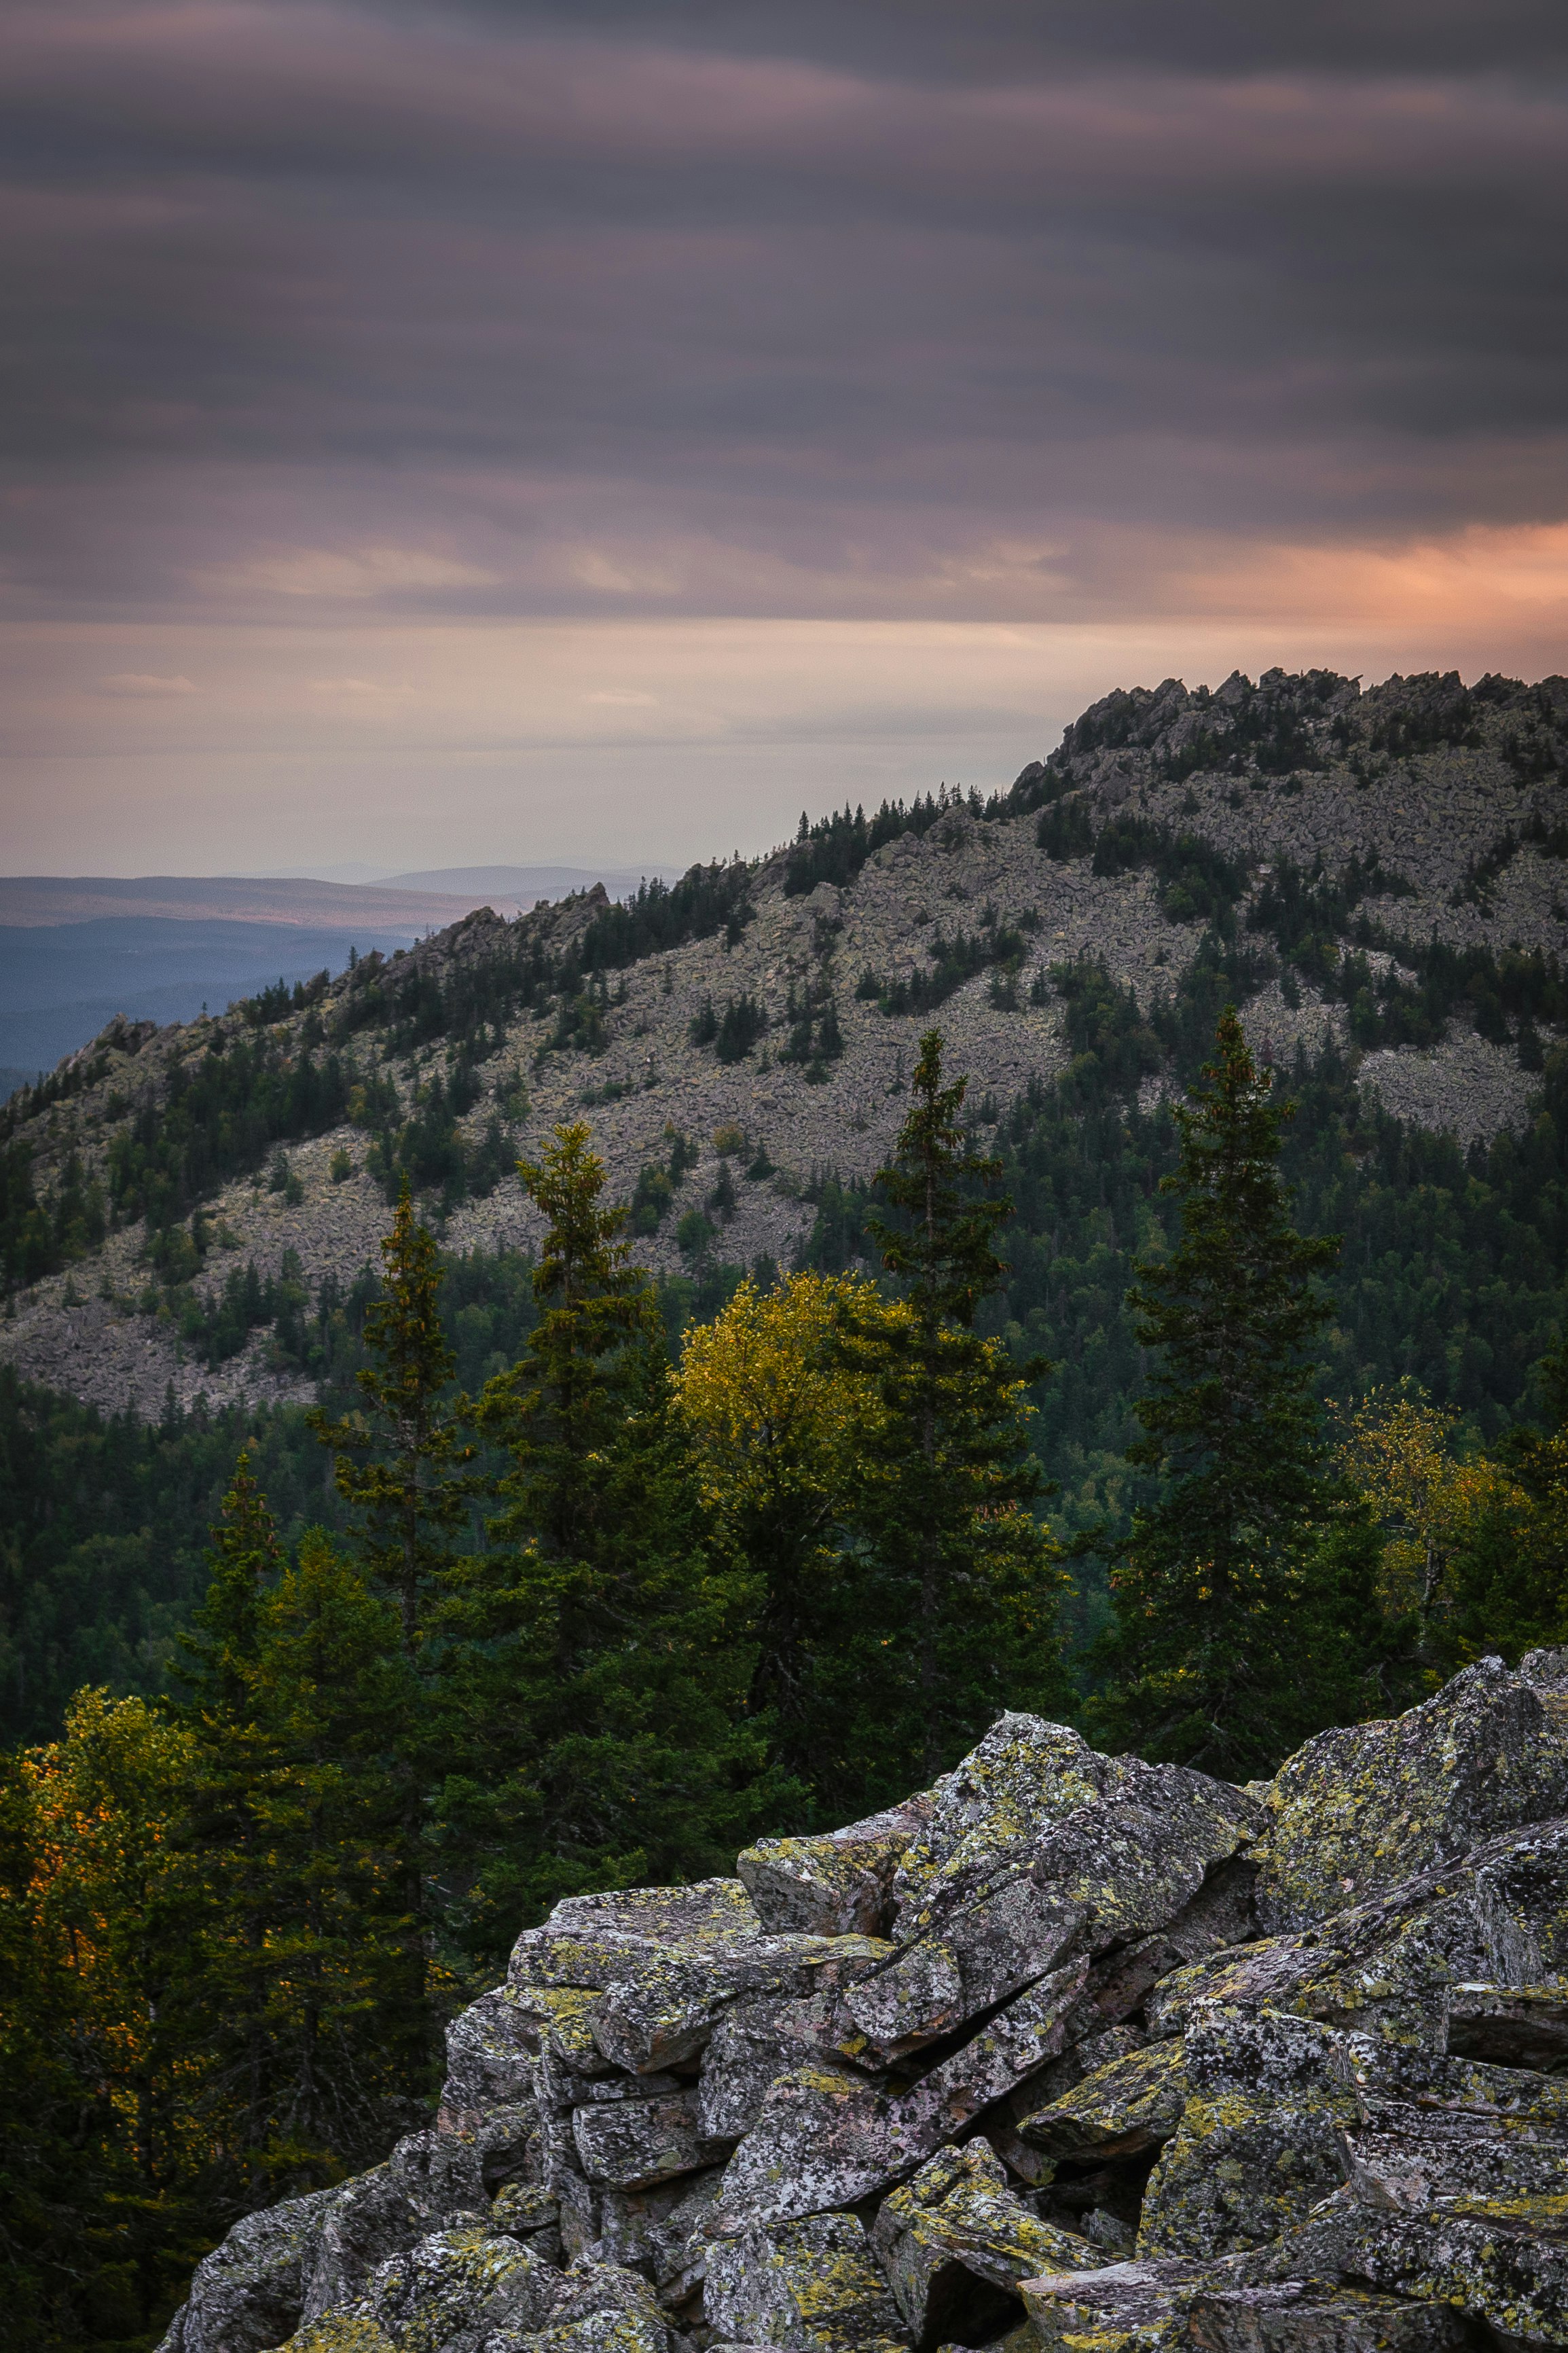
x=957 y=2230
x=838 y=1885
x=1069 y=2049
x=1359 y=1810
x=810 y=2285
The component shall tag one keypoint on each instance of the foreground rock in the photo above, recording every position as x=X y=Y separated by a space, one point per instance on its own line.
x=1069 y=2050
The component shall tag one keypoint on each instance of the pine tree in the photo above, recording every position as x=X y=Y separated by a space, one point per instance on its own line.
x=403 y=1467
x=603 y=1683
x=967 y=1581
x=230 y=1761
x=402 y=1464
x=1228 y=1648
x=348 y=2025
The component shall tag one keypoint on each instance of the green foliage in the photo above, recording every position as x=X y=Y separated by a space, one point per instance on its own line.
x=1225 y=1652
x=742 y=1023
x=961 y=1581
x=953 y=961
x=603 y=1662
x=218 y=1121
x=1196 y=882
x=38 y=1238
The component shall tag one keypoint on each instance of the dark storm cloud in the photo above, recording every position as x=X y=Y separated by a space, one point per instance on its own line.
x=764 y=298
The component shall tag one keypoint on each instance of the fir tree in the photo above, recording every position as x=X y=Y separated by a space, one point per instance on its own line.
x=967 y=1583
x=230 y=1766
x=402 y=1466
x=605 y=1675
x=1227 y=1646
x=348 y=2024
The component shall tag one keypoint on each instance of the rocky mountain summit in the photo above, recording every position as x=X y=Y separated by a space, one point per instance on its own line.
x=1069 y=2050
x=1381 y=857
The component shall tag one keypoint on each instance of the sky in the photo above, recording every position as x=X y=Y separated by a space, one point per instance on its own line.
x=434 y=436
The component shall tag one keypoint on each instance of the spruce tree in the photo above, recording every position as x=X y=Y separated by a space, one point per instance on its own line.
x=403 y=1463
x=964 y=1585
x=1228 y=1648
x=348 y=2023
x=598 y=1707
x=230 y=1761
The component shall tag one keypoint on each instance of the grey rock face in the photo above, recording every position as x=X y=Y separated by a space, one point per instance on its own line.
x=838 y=1885
x=810 y=2285
x=250 y=2292
x=956 y=2229
x=1356 y=1812
x=1071 y=2081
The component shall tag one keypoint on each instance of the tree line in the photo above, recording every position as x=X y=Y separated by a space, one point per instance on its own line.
x=609 y=1617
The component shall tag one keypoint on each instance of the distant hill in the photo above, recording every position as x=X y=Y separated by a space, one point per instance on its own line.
x=77 y=949
x=512 y=889
x=33 y=900
x=1378 y=880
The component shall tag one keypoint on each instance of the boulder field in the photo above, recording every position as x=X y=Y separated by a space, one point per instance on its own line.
x=1070 y=2050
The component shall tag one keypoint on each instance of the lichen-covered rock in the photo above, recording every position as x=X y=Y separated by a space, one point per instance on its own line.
x=1024 y=1775
x=1076 y=2070
x=748 y=2049
x=827 y=2137
x=451 y=2291
x=1304 y=2317
x=356 y=2228
x=249 y=2293
x=490 y=2050
x=810 y=2286
x=957 y=2230
x=599 y=2308
x=1238 y=2173
x=1260 y=2137
x=666 y=2013
x=633 y=2144
x=838 y=1885
x=351 y=2328
x=1004 y=1913
x=1513 y=2278
x=1134 y=2307
x=1421 y=2157
x=1512 y=2026
x=526 y=2210
x=1041 y=2091
x=1126 y=2108
x=1358 y=1809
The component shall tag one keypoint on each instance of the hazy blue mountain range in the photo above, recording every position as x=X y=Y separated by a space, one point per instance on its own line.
x=62 y=977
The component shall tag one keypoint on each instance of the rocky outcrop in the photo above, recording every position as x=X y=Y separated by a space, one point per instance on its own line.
x=1070 y=2051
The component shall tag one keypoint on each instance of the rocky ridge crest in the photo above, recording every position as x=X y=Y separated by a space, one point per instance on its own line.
x=1457 y=792
x=1070 y=2051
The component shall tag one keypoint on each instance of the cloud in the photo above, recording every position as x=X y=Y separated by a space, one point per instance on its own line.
x=364 y=572
x=144 y=684
x=496 y=321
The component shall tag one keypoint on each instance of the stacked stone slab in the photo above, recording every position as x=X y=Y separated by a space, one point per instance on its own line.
x=1070 y=2051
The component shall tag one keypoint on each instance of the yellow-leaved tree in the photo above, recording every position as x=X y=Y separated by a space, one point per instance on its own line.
x=778 y=1421
x=1436 y=1509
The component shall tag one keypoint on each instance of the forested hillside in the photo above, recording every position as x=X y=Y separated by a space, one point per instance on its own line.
x=527 y=1416
x=190 y=1217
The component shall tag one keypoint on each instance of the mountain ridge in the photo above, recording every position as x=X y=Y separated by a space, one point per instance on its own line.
x=1382 y=870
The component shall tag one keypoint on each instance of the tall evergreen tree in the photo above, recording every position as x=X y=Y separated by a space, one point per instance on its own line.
x=403 y=1463
x=602 y=1691
x=1226 y=1649
x=348 y=2026
x=968 y=1584
x=230 y=1762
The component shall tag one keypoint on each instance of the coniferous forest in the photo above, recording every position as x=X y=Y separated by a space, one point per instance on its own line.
x=1204 y=1428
